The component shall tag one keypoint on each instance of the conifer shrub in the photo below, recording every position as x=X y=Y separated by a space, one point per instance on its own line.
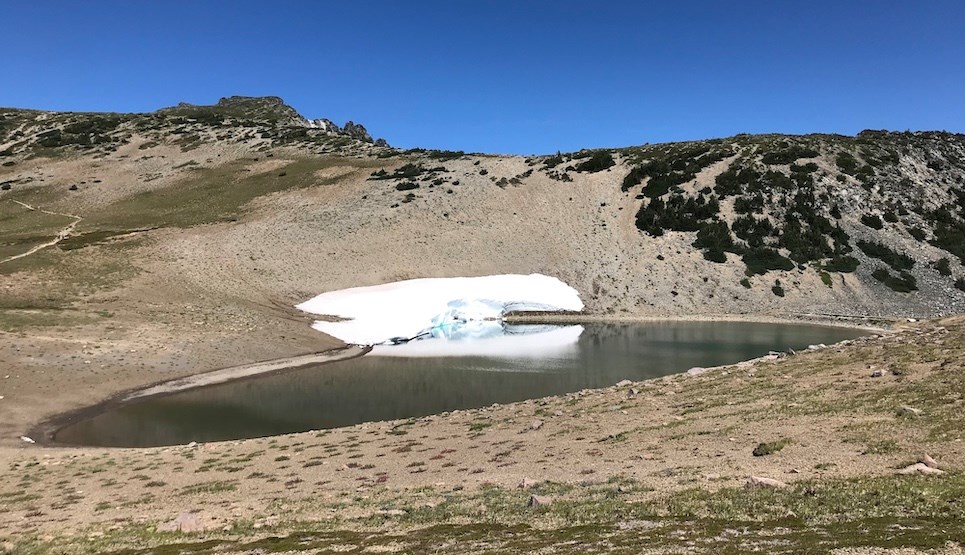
x=599 y=161
x=872 y=221
x=896 y=260
x=943 y=267
x=762 y=260
x=846 y=162
x=788 y=155
x=902 y=283
x=842 y=264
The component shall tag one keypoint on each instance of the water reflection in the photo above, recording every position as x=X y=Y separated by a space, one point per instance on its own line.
x=493 y=339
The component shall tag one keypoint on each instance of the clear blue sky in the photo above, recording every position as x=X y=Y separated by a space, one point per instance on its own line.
x=506 y=76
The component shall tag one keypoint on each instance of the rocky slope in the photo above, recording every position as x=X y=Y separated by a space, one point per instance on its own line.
x=872 y=225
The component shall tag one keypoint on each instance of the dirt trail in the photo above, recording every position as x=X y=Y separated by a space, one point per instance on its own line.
x=61 y=235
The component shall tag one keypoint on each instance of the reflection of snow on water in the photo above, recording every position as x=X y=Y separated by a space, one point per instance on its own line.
x=491 y=339
x=440 y=308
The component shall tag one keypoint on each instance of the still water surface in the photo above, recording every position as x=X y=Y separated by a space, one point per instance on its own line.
x=429 y=377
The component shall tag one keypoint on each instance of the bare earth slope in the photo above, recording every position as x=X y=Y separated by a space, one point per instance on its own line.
x=168 y=244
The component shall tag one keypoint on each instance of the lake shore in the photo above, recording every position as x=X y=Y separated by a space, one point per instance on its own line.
x=43 y=430
x=637 y=442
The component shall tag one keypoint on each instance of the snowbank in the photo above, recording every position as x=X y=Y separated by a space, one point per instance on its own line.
x=448 y=308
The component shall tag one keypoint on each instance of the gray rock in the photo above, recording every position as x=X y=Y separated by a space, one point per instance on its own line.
x=539 y=501
x=905 y=410
x=185 y=522
x=928 y=461
x=759 y=482
x=920 y=468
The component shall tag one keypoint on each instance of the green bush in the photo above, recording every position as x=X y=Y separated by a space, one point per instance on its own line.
x=715 y=237
x=943 y=267
x=753 y=230
x=763 y=449
x=917 y=233
x=896 y=260
x=746 y=283
x=553 y=161
x=789 y=155
x=762 y=260
x=846 y=163
x=903 y=283
x=600 y=161
x=872 y=221
x=842 y=264
x=960 y=284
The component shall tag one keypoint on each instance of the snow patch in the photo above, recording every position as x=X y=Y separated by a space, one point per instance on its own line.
x=449 y=308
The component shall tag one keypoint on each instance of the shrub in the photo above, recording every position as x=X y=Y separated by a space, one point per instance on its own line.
x=826 y=278
x=843 y=264
x=943 y=267
x=715 y=237
x=763 y=449
x=872 y=221
x=762 y=259
x=748 y=204
x=810 y=167
x=778 y=290
x=903 y=283
x=917 y=233
x=950 y=237
x=714 y=255
x=846 y=163
x=406 y=186
x=746 y=283
x=753 y=230
x=446 y=154
x=960 y=284
x=896 y=260
x=554 y=161
x=600 y=161
x=789 y=155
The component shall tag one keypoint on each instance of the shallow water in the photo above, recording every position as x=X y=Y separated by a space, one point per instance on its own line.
x=427 y=377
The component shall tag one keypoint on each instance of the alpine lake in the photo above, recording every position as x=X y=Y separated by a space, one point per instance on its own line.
x=434 y=376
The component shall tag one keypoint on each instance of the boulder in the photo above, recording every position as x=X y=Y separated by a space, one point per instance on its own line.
x=539 y=501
